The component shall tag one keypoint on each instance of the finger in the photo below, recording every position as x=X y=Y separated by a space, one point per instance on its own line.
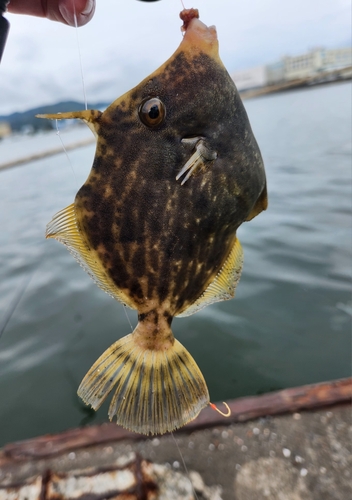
x=62 y=11
x=83 y=9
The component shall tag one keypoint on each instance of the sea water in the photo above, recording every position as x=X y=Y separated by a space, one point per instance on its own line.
x=290 y=323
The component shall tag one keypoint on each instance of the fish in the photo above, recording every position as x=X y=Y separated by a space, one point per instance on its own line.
x=176 y=171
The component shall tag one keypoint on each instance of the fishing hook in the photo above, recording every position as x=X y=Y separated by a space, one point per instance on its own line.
x=219 y=411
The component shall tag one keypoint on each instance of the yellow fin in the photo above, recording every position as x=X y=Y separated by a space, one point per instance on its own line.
x=260 y=205
x=224 y=285
x=89 y=116
x=157 y=391
x=63 y=227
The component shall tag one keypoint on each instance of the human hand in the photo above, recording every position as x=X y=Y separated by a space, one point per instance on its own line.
x=56 y=10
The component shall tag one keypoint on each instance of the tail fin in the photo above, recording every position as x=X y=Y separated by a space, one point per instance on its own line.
x=157 y=391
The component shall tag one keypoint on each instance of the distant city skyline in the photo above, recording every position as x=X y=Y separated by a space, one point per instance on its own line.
x=127 y=40
x=311 y=64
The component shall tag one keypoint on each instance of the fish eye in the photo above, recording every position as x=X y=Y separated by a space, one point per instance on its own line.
x=152 y=112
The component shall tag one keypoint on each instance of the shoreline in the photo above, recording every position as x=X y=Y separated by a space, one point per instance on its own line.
x=46 y=153
x=327 y=78
x=245 y=95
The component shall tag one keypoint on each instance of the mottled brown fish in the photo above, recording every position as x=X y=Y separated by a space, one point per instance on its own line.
x=176 y=171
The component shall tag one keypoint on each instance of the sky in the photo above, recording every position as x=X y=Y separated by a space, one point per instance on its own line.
x=128 y=39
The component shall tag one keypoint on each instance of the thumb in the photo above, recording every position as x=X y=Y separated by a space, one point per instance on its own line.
x=62 y=11
x=83 y=9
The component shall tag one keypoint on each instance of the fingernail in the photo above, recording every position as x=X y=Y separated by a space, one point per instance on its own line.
x=88 y=8
x=66 y=14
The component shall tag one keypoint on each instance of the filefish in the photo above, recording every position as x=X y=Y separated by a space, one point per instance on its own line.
x=176 y=171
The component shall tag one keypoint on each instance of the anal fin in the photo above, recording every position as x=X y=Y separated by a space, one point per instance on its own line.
x=63 y=227
x=224 y=285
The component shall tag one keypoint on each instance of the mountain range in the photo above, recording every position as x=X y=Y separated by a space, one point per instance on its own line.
x=20 y=120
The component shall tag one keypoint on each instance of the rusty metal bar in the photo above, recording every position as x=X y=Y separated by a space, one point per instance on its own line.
x=306 y=397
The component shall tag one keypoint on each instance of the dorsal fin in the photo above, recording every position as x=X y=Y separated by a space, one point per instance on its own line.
x=224 y=285
x=89 y=116
x=63 y=227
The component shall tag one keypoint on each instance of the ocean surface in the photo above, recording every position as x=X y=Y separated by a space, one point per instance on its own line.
x=290 y=323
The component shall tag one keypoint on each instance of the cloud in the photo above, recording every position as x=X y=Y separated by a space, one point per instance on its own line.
x=127 y=40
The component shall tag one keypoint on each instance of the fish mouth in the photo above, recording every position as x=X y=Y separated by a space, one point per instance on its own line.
x=202 y=158
x=197 y=34
x=195 y=29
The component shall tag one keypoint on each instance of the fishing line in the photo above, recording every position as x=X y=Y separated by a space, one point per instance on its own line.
x=16 y=300
x=65 y=151
x=86 y=107
x=214 y=407
x=79 y=55
x=184 y=465
x=83 y=89
x=128 y=319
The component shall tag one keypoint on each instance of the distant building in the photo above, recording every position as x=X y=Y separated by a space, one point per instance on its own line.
x=250 y=78
x=310 y=64
x=275 y=73
x=336 y=58
x=5 y=129
x=316 y=61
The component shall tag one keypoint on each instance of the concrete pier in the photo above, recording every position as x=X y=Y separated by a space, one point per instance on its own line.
x=302 y=454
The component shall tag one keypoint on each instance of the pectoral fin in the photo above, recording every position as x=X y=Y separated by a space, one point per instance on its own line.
x=224 y=285
x=89 y=116
x=260 y=205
